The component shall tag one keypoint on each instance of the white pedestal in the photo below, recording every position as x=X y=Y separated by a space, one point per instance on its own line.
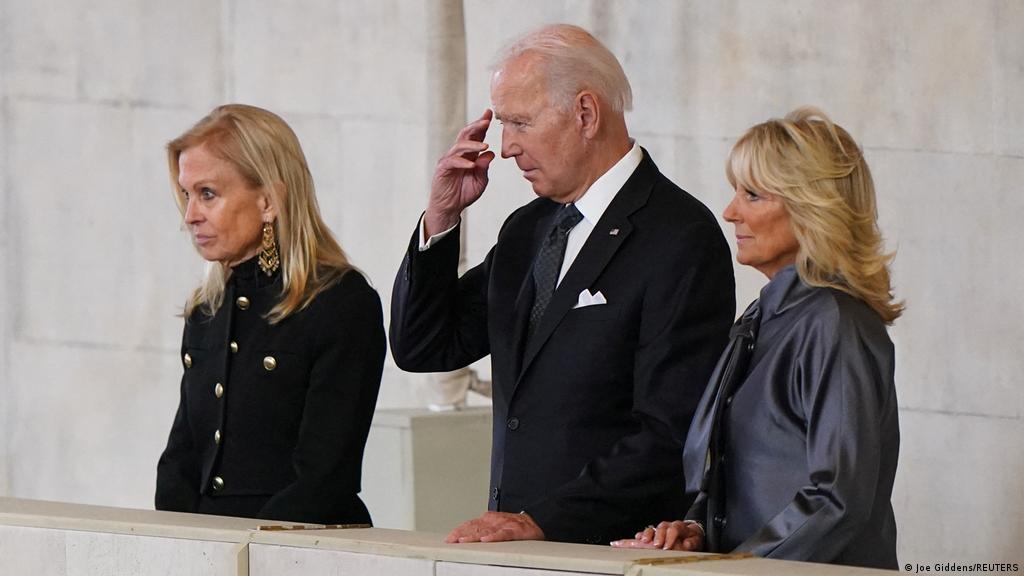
x=426 y=470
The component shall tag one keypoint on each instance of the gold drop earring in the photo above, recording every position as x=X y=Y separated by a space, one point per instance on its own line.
x=270 y=260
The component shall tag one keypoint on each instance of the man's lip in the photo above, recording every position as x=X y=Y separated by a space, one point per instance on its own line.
x=202 y=238
x=740 y=237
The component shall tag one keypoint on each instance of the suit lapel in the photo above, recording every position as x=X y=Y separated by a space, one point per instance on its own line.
x=595 y=255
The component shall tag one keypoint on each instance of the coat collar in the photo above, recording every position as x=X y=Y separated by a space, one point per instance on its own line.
x=784 y=291
x=249 y=276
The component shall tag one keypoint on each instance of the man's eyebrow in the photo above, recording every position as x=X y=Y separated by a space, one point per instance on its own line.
x=510 y=117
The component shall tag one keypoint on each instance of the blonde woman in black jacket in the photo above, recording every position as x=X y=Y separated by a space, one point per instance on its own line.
x=283 y=345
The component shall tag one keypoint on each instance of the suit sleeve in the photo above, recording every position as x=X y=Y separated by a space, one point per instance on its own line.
x=177 y=472
x=699 y=509
x=438 y=320
x=845 y=401
x=685 y=317
x=343 y=386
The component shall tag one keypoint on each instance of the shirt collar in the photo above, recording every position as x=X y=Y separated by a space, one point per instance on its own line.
x=596 y=199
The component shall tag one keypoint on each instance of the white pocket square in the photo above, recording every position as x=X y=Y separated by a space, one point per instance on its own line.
x=588 y=299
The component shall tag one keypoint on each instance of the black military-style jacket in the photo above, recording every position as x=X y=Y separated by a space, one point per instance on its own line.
x=279 y=412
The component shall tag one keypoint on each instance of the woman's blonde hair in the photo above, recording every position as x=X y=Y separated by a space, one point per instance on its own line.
x=819 y=172
x=265 y=151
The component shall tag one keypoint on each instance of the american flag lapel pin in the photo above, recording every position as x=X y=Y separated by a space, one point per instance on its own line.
x=613 y=232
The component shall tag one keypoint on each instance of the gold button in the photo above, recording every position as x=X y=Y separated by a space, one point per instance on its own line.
x=242 y=303
x=269 y=363
x=218 y=390
x=188 y=360
x=216 y=437
x=218 y=483
x=233 y=346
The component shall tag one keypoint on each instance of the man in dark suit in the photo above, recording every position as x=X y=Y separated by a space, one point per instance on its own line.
x=604 y=303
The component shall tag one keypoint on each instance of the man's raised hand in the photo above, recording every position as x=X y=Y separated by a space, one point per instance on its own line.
x=460 y=177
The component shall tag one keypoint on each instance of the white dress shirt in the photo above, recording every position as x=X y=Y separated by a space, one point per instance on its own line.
x=591 y=205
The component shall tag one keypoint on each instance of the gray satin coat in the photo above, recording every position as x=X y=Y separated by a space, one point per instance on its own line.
x=812 y=434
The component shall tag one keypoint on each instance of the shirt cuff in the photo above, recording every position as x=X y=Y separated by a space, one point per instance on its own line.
x=426 y=244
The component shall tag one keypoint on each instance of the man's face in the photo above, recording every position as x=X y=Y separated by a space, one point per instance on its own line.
x=547 y=143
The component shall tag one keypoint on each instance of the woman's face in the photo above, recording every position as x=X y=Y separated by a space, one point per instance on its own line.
x=764 y=234
x=223 y=212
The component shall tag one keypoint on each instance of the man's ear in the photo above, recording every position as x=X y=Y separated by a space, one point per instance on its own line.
x=588 y=114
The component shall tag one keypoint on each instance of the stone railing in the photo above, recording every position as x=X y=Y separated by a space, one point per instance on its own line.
x=51 y=538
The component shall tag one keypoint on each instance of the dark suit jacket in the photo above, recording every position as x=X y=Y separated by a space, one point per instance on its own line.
x=590 y=414
x=293 y=410
x=812 y=433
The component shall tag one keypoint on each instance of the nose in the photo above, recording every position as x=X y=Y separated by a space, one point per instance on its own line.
x=731 y=214
x=192 y=214
x=509 y=146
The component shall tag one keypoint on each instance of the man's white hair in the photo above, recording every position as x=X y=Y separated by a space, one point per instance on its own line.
x=572 y=60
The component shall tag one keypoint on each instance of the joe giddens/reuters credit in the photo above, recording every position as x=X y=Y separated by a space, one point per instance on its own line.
x=946 y=567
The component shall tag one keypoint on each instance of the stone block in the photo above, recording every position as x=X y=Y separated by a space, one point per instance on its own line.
x=90 y=422
x=39 y=43
x=86 y=238
x=323 y=143
x=7 y=274
x=97 y=554
x=156 y=54
x=457 y=569
x=959 y=475
x=273 y=560
x=35 y=551
x=952 y=220
x=887 y=72
x=359 y=59
x=383 y=184
x=1008 y=89
x=152 y=53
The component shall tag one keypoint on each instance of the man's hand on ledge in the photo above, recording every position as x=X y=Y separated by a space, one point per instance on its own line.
x=496 y=527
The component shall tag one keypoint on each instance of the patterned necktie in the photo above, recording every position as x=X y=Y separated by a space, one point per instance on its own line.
x=549 y=262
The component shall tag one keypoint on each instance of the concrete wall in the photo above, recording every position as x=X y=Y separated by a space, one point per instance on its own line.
x=93 y=265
